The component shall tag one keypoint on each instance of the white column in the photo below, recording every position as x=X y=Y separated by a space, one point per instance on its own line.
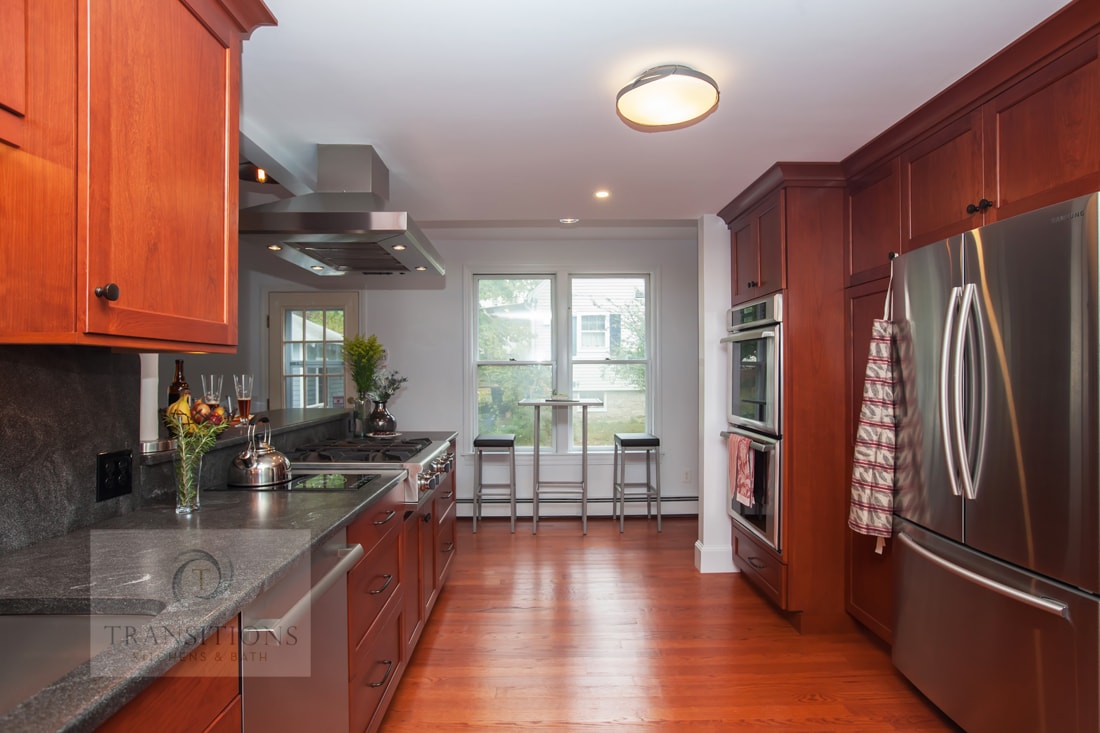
x=714 y=548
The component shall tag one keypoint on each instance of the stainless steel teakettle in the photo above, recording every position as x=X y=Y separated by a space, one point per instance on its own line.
x=259 y=465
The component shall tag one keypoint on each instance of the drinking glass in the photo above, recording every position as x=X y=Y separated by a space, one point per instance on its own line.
x=212 y=389
x=242 y=385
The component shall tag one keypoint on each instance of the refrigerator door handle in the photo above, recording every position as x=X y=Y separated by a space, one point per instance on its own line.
x=946 y=386
x=959 y=438
x=1043 y=604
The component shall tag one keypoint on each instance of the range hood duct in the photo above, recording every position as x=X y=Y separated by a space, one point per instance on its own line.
x=345 y=227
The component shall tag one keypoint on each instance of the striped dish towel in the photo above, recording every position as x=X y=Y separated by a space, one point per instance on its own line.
x=872 y=493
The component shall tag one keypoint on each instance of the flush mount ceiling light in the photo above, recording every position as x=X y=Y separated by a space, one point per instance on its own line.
x=667 y=97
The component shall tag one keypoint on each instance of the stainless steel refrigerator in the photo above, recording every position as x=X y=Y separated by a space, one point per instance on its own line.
x=997 y=513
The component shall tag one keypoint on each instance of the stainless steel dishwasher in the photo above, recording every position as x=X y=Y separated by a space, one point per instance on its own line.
x=294 y=659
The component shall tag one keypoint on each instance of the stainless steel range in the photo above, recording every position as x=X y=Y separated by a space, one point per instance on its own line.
x=426 y=458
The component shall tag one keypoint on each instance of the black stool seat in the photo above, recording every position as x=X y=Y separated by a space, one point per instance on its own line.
x=637 y=440
x=495 y=440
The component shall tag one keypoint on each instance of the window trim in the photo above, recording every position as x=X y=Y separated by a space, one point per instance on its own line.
x=282 y=301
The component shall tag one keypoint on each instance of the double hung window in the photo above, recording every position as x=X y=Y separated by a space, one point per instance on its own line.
x=583 y=335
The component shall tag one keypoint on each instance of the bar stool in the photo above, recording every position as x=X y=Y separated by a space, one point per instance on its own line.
x=624 y=491
x=500 y=492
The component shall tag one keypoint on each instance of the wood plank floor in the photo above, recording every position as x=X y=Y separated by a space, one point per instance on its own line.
x=561 y=632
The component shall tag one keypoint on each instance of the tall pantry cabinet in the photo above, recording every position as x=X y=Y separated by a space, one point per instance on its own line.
x=118 y=187
x=790 y=224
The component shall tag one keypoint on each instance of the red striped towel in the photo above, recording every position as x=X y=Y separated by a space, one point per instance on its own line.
x=741 y=469
x=872 y=493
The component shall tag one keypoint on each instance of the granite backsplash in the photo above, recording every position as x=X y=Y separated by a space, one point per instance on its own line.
x=59 y=407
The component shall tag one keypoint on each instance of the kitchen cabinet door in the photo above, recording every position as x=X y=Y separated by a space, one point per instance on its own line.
x=13 y=70
x=122 y=198
x=202 y=691
x=1042 y=135
x=873 y=222
x=756 y=241
x=943 y=176
x=869 y=580
x=161 y=194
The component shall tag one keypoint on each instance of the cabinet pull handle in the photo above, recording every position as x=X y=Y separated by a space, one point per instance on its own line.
x=892 y=255
x=389 y=515
x=756 y=562
x=751 y=283
x=108 y=292
x=389 y=669
x=980 y=206
x=427 y=517
x=389 y=579
x=449 y=547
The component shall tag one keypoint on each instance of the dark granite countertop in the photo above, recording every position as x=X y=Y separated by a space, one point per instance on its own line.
x=133 y=564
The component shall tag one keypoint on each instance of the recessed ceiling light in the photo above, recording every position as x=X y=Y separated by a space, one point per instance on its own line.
x=421 y=268
x=569 y=220
x=398 y=247
x=602 y=194
x=274 y=247
x=318 y=268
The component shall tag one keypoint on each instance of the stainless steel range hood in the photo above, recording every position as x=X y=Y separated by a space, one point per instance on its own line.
x=344 y=227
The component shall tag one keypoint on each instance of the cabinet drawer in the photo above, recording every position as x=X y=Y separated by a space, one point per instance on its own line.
x=371 y=583
x=444 y=498
x=760 y=566
x=376 y=666
x=369 y=527
x=445 y=547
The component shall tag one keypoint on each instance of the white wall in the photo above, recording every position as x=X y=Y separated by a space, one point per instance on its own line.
x=426 y=335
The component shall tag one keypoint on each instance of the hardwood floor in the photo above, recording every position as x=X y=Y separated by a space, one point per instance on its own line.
x=562 y=632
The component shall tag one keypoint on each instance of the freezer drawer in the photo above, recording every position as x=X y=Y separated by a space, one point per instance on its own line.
x=992 y=659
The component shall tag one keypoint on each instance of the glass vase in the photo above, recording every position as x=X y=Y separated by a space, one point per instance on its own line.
x=381 y=421
x=361 y=417
x=188 y=468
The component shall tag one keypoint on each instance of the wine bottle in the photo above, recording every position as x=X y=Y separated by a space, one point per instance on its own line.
x=179 y=385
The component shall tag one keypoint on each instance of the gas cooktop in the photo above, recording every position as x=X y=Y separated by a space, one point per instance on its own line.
x=370 y=449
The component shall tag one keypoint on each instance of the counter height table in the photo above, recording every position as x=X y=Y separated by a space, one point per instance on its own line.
x=561 y=491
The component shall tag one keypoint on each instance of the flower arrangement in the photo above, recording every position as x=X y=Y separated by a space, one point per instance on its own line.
x=386 y=385
x=365 y=356
x=196 y=428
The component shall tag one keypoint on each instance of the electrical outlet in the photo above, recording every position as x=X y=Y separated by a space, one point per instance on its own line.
x=113 y=474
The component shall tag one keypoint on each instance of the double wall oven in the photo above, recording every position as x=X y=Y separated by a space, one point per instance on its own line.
x=754 y=398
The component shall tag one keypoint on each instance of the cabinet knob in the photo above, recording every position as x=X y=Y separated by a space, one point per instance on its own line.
x=108 y=291
x=751 y=283
x=980 y=206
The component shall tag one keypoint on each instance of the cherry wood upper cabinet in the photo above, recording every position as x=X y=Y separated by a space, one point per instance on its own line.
x=873 y=222
x=13 y=70
x=125 y=190
x=1042 y=136
x=943 y=182
x=756 y=240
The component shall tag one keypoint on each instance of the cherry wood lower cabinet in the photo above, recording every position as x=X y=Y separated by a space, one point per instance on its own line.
x=376 y=605
x=869 y=580
x=201 y=693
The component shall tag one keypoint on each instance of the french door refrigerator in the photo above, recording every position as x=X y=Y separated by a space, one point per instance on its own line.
x=997 y=561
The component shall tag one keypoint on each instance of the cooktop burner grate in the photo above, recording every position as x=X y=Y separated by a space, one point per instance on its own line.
x=360 y=450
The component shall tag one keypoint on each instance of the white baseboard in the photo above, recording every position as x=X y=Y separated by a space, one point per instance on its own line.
x=714 y=559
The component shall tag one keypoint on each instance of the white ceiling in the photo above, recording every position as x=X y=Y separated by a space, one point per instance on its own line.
x=502 y=111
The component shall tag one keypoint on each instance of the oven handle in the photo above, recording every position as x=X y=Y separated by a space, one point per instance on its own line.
x=764 y=447
x=351 y=555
